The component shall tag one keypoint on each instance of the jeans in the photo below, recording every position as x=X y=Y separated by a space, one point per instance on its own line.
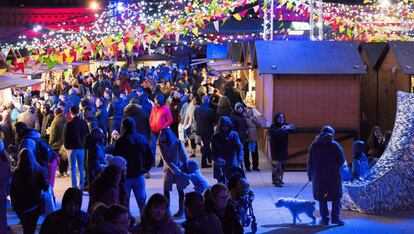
x=323 y=209
x=154 y=139
x=76 y=156
x=137 y=185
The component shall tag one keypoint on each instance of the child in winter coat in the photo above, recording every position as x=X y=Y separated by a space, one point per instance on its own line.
x=194 y=175
x=359 y=160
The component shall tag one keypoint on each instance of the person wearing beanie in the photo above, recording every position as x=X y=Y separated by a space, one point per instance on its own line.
x=240 y=126
x=324 y=162
x=227 y=150
x=135 y=149
x=70 y=218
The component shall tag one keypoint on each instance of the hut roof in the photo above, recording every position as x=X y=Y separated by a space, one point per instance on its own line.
x=308 y=57
x=404 y=53
x=376 y=52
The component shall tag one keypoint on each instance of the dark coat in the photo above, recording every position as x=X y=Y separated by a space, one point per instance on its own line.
x=142 y=125
x=240 y=125
x=135 y=149
x=204 y=223
x=46 y=123
x=227 y=147
x=116 y=109
x=25 y=193
x=74 y=99
x=230 y=223
x=324 y=162
x=205 y=119
x=56 y=131
x=102 y=118
x=95 y=156
x=279 y=141
x=74 y=133
x=145 y=104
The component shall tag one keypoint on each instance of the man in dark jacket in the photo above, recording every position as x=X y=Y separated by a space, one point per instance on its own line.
x=198 y=221
x=70 y=218
x=324 y=162
x=240 y=126
x=135 y=149
x=73 y=136
x=134 y=111
x=56 y=138
x=205 y=119
x=46 y=121
x=227 y=149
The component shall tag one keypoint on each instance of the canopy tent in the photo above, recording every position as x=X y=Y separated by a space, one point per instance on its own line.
x=13 y=81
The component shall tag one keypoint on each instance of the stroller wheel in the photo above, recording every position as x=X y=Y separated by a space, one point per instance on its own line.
x=254 y=227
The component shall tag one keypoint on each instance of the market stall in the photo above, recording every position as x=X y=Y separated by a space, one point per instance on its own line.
x=313 y=84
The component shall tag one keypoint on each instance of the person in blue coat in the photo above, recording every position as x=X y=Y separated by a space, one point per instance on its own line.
x=324 y=162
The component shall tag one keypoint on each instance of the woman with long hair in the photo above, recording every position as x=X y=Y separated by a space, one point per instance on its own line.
x=156 y=217
x=28 y=180
x=279 y=139
x=175 y=158
x=375 y=143
x=190 y=125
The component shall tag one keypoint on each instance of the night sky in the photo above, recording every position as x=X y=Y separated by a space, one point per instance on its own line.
x=84 y=3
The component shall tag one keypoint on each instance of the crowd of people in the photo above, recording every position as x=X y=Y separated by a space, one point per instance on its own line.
x=103 y=132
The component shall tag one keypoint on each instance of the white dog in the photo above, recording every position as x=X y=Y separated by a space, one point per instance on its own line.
x=296 y=207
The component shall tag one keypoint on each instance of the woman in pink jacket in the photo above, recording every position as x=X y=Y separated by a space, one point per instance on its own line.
x=160 y=118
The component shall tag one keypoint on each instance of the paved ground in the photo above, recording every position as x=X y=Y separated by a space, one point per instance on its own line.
x=271 y=219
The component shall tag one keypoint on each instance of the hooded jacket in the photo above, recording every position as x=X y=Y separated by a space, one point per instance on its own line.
x=59 y=222
x=240 y=123
x=135 y=149
x=174 y=156
x=226 y=146
x=324 y=162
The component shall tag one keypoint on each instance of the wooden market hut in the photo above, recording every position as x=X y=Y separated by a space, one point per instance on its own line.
x=372 y=55
x=396 y=73
x=313 y=84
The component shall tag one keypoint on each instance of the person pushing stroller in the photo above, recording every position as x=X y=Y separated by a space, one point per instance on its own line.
x=227 y=149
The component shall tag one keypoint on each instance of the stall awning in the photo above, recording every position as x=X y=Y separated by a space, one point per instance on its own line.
x=8 y=81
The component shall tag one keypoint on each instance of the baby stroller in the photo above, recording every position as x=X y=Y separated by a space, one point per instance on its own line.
x=242 y=197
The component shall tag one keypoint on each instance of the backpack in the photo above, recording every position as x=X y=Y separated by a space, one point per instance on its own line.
x=44 y=152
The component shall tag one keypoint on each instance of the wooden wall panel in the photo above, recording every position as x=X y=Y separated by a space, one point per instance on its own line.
x=389 y=84
x=313 y=101
x=369 y=98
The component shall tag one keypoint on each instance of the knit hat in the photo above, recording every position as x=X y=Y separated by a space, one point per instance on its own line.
x=238 y=105
x=328 y=129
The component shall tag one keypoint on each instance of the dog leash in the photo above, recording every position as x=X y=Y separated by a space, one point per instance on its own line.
x=302 y=189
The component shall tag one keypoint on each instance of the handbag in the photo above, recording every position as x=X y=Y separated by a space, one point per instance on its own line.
x=48 y=205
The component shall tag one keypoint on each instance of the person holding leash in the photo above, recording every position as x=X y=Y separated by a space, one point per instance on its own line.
x=324 y=162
